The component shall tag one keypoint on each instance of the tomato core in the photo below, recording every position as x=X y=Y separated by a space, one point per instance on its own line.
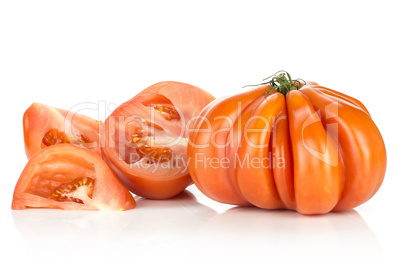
x=142 y=148
x=155 y=154
x=54 y=136
x=167 y=112
x=74 y=191
x=140 y=140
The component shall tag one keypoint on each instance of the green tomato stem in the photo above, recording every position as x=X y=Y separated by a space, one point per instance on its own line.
x=282 y=82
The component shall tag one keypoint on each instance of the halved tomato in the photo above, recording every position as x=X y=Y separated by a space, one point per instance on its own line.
x=45 y=126
x=145 y=139
x=67 y=177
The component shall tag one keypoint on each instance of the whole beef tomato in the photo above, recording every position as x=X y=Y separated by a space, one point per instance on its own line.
x=68 y=177
x=45 y=126
x=287 y=144
x=144 y=140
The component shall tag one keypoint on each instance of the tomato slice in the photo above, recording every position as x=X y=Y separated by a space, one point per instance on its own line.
x=67 y=177
x=45 y=126
x=145 y=139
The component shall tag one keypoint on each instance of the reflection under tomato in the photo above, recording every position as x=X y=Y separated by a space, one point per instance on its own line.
x=154 y=224
x=182 y=224
x=284 y=233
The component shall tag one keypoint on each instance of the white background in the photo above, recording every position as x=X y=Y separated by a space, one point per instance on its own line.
x=69 y=52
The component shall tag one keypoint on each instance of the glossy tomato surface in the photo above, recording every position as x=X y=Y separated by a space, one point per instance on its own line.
x=68 y=177
x=45 y=126
x=145 y=139
x=287 y=145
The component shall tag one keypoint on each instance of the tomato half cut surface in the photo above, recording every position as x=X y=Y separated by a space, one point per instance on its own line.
x=68 y=177
x=145 y=139
x=45 y=126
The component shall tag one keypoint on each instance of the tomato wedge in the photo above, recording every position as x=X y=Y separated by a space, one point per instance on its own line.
x=144 y=140
x=68 y=177
x=45 y=126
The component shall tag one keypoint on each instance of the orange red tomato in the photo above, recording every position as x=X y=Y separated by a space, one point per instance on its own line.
x=322 y=150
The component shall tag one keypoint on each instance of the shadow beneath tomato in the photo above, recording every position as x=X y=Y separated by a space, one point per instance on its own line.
x=285 y=233
x=154 y=224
